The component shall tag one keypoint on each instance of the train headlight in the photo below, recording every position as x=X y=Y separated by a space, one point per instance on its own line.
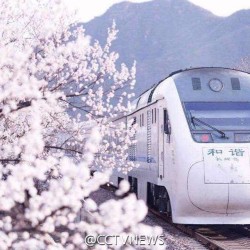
x=201 y=137
x=215 y=85
x=242 y=137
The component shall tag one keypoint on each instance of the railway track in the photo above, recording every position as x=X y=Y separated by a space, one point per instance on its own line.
x=215 y=237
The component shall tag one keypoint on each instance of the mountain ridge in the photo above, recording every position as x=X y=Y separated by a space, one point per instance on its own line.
x=167 y=35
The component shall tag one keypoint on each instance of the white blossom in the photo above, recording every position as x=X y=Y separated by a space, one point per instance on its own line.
x=59 y=93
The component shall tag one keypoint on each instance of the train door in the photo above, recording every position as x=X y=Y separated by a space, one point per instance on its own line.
x=164 y=131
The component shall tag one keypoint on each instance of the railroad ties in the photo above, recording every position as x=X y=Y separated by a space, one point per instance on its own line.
x=215 y=237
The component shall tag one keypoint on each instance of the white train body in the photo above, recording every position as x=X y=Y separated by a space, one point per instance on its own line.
x=193 y=144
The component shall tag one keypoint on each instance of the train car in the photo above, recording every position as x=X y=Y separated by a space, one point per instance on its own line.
x=192 y=146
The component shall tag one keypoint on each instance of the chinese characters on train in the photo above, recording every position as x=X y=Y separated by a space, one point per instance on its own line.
x=226 y=154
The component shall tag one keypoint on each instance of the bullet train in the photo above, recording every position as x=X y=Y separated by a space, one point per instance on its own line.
x=192 y=146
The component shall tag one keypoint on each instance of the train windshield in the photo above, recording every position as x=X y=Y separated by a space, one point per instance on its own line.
x=219 y=115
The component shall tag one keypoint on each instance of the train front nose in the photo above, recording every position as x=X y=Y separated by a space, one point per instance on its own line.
x=221 y=182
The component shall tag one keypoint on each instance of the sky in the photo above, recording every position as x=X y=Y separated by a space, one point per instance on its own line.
x=88 y=9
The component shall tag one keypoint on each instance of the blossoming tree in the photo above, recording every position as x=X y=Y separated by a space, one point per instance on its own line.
x=58 y=95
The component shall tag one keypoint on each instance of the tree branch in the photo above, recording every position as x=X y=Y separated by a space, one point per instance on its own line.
x=64 y=149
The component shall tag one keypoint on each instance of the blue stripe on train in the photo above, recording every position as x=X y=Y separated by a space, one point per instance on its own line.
x=142 y=159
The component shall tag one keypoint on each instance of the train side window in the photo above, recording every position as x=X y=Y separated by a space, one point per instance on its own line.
x=167 y=128
x=152 y=116
x=133 y=147
x=141 y=120
x=155 y=115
